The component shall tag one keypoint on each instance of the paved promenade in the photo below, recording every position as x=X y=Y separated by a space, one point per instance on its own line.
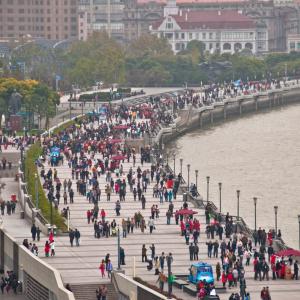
x=80 y=264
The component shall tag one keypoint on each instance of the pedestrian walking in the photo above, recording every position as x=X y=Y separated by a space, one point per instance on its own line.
x=33 y=231
x=71 y=237
x=77 y=237
x=102 y=268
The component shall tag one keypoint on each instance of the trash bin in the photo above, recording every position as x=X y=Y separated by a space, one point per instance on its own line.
x=54 y=230
x=13 y=198
x=184 y=197
x=49 y=230
x=22 y=214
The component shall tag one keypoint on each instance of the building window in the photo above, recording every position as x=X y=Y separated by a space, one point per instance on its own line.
x=190 y=36
x=226 y=46
x=292 y=45
x=204 y=35
x=210 y=46
x=169 y=25
x=298 y=45
x=182 y=36
x=237 y=47
x=169 y=36
x=210 y=35
x=249 y=46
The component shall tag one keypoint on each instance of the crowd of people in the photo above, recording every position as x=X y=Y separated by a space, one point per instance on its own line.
x=93 y=148
x=10 y=282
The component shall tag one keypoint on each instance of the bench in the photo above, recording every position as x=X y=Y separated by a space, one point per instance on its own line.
x=190 y=289
x=180 y=283
x=220 y=290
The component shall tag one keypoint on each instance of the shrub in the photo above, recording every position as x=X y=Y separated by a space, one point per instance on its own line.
x=30 y=169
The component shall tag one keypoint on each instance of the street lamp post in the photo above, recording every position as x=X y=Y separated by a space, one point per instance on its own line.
x=220 y=195
x=238 y=192
x=169 y=265
x=255 y=203
x=36 y=191
x=51 y=211
x=70 y=107
x=299 y=229
x=196 y=174
x=207 y=188
x=181 y=162
x=167 y=156
x=119 y=242
x=22 y=159
x=174 y=163
x=276 y=211
x=188 y=169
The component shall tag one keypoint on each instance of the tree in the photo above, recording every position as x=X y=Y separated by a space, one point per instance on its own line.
x=98 y=59
x=149 y=45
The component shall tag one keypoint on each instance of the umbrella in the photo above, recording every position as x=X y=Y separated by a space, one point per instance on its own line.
x=120 y=127
x=118 y=157
x=185 y=212
x=55 y=149
x=115 y=141
x=288 y=252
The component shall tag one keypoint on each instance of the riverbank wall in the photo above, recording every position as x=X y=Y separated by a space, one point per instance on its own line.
x=191 y=117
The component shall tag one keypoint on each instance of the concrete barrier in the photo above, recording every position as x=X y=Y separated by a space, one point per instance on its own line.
x=40 y=281
x=133 y=290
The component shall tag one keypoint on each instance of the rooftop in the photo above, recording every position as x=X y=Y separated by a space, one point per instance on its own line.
x=196 y=1
x=227 y=19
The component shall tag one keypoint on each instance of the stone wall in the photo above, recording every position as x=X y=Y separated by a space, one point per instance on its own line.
x=40 y=281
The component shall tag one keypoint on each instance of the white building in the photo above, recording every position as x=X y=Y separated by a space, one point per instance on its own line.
x=293 y=43
x=224 y=31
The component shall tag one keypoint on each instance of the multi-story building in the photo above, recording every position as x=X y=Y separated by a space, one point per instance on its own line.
x=280 y=21
x=219 y=31
x=293 y=43
x=49 y=19
x=98 y=15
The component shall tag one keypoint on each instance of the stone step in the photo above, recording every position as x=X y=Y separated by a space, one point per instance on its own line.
x=88 y=291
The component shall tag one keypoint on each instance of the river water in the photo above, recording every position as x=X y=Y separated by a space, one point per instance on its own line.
x=258 y=154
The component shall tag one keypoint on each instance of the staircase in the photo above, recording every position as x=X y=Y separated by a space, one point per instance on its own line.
x=88 y=291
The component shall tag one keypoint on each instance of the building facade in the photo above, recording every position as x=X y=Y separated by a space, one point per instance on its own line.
x=48 y=19
x=99 y=15
x=280 y=21
x=293 y=43
x=219 y=31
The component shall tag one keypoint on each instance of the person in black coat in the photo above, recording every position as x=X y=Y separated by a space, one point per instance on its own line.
x=33 y=232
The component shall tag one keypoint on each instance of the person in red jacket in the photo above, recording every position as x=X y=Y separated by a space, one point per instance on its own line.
x=88 y=216
x=103 y=214
x=47 y=249
x=224 y=279
x=230 y=279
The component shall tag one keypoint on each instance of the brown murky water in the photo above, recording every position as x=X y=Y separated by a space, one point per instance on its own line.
x=257 y=154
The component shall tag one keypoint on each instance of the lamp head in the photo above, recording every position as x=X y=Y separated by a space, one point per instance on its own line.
x=238 y=192
x=188 y=166
x=220 y=185
x=276 y=209
x=255 y=200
